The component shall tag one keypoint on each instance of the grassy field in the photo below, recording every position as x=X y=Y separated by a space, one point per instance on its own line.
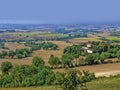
x=79 y=40
x=111 y=83
x=113 y=38
x=24 y=35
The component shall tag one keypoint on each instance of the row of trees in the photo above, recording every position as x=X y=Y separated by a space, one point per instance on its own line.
x=101 y=52
x=37 y=75
x=22 y=53
x=18 y=53
x=68 y=60
x=44 y=45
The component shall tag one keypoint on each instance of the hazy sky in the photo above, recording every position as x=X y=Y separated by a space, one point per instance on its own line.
x=59 y=11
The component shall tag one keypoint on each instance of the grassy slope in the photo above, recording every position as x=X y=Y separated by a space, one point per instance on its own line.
x=105 y=84
x=112 y=83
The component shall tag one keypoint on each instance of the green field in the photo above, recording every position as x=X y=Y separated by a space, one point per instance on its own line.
x=113 y=38
x=112 y=83
x=50 y=34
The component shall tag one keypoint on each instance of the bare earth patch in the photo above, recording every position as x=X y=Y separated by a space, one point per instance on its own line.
x=14 y=45
x=99 y=70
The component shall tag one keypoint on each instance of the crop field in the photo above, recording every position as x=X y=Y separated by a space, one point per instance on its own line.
x=111 y=83
x=113 y=38
x=49 y=34
x=21 y=35
x=79 y=40
x=45 y=54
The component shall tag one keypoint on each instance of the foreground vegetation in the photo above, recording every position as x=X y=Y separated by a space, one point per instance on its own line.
x=38 y=75
x=110 y=83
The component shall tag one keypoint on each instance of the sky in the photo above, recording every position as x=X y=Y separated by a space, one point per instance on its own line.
x=59 y=11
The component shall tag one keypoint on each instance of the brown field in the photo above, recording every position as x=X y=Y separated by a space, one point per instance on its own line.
x=14 y=45
x=99 y=70
x=45 y=54
x=79 y=40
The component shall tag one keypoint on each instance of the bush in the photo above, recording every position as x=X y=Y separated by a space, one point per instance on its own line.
x=37 y=62
x=5 y=67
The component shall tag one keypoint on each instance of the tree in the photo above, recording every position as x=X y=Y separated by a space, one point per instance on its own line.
x=67 y=60
x=90 y=59
x=118 y=55
x=19 y=56
x=96 y=56
x=37 y=61
x=70 y=81
x=11 y=54
x=54 y=61
x=5 y=67
x=104 y=56
x=74 y=78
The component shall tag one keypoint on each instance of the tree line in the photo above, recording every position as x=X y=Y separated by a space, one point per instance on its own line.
x=101 y=52
x=18 y=53
x=43 y=45
x=26 y=52
x=38 y=75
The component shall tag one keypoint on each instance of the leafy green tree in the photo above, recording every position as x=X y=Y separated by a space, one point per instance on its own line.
x=96 y=56
x=118 y=55
x=11 y=54
x=54 y=61
x=104 y=56
x=67 y=60
x=5 y=67
x=73 y=78
x=90 y=59
x=19 y=56
x=37 y=61
x=70 y=81
x=44 y=76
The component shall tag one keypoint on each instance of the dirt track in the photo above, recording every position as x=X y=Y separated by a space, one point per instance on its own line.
x=108 y=73
x=99 y=70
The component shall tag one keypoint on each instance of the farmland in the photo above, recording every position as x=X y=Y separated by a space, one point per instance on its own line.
x=71 y=42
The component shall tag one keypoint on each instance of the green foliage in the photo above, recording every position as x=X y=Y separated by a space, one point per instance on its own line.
x=26 y=76
x=54 y=61
x=4 y=53
x=19 y=53
x=37 y=61
x=74 y=50
x=5 y=67
x=44 y=45
x=82 y=62
x=73 y=78
x=11 y=54
x=90 y=59
x=118 y=55
x=67 y=60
